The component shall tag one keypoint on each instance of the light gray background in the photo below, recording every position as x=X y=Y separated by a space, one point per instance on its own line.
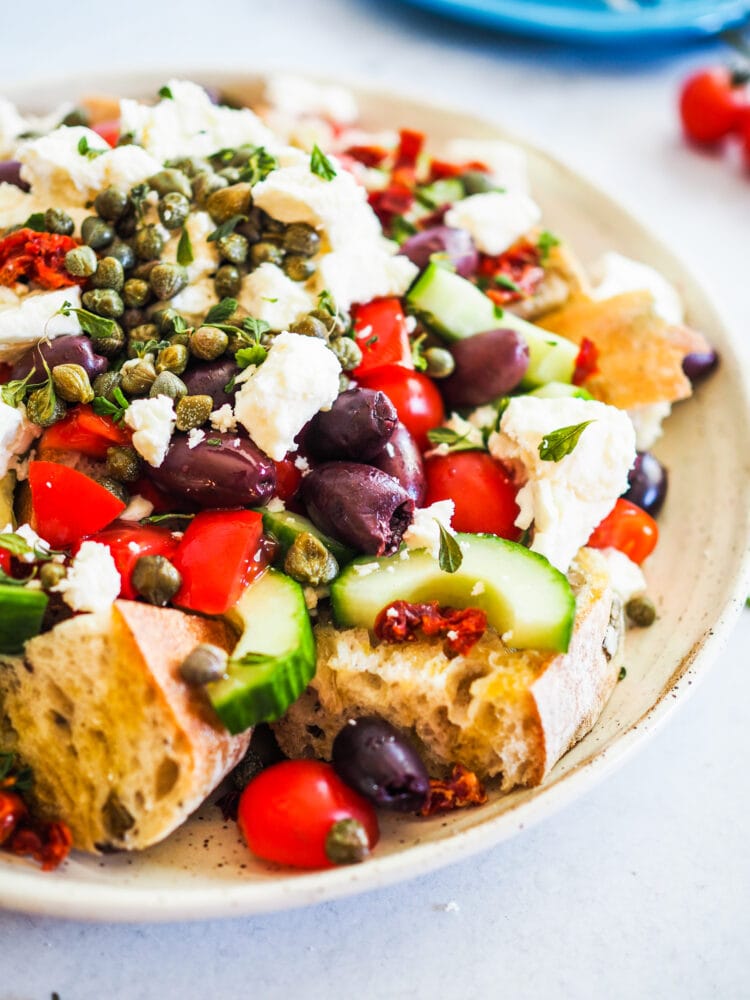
x=642 y=888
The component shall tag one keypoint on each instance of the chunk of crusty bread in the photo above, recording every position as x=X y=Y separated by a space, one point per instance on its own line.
x=564 y=277
x=121 y=748
x=495 y=710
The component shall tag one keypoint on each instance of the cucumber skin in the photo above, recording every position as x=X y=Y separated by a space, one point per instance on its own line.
x=286 y=525
x=21 y=615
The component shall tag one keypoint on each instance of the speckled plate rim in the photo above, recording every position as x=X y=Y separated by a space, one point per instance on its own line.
x=28 y=890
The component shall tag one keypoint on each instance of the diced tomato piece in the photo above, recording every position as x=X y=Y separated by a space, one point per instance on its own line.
x=83 y=430
x=370 y=156
x=440 y=169
x=128 y=542
x=483 y=494
x=109 y=130
x=409 y=147
x=381 y=334
x=418 y=403
x=288 y=478
x=218 y=556
x=586 y=362
x=67 y=506
x=628 y=528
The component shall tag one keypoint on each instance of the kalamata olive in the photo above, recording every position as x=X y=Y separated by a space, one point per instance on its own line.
x=488 y=365
x=402 y=459
x=455 y=244
x=75 y=349
x=700 y=364
x=209 y=379
x=358 y=504
x=10 y=173
x=376 y=760
x=223 y=470
x=647 y=483
x=357 y=426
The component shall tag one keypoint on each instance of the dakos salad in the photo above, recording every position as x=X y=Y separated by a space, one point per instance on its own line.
x=325 y=469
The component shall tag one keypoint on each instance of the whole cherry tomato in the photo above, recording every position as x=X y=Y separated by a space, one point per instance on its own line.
x=481 y=490
x=627 y=528
x=287 y=811
x=417 y=401
x=711 y=104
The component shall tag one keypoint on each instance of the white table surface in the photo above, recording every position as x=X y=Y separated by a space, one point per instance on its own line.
x=640 y=889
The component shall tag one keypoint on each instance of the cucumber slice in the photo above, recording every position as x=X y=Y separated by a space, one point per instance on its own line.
x=21 y=614
x=527 y=600
x=274 y=660
x=455 y=308
x=560 y=390
x=285 y=526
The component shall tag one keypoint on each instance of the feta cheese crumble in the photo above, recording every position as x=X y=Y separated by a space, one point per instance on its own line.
x=93 y=581
x=195 y=436
x=153 y=421
x=269 y=295
x=299 y=377
x=424 y=530
x=495 y=220
x=138 y=508
x=36 y=317
x=565 y=500
x=223 y=419
x=16 y=434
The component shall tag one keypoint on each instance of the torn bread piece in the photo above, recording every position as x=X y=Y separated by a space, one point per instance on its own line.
x=564 y=279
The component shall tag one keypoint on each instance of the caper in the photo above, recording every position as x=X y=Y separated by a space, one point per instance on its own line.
x=298 y=268
x=266 y=253
x=172 y=359
x=122 y=252
x=148 y=243
x=274 y=227
x=302 y=239
x=111 y=204
x=347 y=843
x=208 y=343
x=173 y=209
x=109 y=274
x=189 y=165
x=50 y=574
x=57 y=221
x=336 y=325
x=229 y=201
x=96 y=233
x=181 y=338
x=227 y=281
x=309 y=326
x=193 y=411
x=171 y=180
x=143 y=332
x=72 y=383
x=138 y=376
x=106 y=383
x=440 y=362
x=206 y=663
x=112 y=345
x=104 y=302
x=233 y=248
x=641 y=611
x=168 y=384
x=167 y=279
x=156 y=579
x=44 y=408
x=80 y=262
x=205 y=184
x=115 y=488
x=132 y=318
x=135 y=293
x=344 y=382
x=347 y=351
x=252 y=227
x=144 y=269
x=76 y=116
x=168 y=320
x=309 y=561
x=123 y=464
x=127 y=225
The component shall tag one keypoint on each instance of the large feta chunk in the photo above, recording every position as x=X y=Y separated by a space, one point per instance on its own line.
x=613 y=274
x=297 y=96
x=565 y=500
x=299 y=377
x=269 y=295
x=92 y=582
x=16 y=434
x=424 y=530
x=188 y=124
x=153 y=421
x=361 y=272
x=506 y=163
x=495 y=219
x=35 y=317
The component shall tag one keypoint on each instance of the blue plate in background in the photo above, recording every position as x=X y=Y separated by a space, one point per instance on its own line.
x=606 y=21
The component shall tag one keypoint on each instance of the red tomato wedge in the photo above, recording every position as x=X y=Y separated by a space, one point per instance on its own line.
x=67 y=506
x=629 y=529
x=481 y=490
x=109 y=130
x=418 y=403
x=83 y=430
x=218 y=556
x=381 y=334
x=128 y=542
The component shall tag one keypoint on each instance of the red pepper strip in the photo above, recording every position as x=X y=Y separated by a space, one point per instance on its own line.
x=440 y=169
x=400 y=621
x=370 y=156
x=66 y=505
x=129 y=541
x=462 y=789
x=85 y=431
x=39 y=257
x=381 y=333
x=586 y=362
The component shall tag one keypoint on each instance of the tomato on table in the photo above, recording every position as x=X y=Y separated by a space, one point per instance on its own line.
x=712 y=103
x=128 y=541
x=381 y=333
x=85 y=431
x=483 y=493
x=287 y=811
x=418 y=403
x=67 y=506
x=627 y=528
x=219 y=555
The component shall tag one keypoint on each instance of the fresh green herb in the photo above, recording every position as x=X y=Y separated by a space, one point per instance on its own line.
x=95 y=326
x=503 y=281
x=623 y=674
x=371 y=340
x=85 y=150
x=229 y=387
x=545 y=243
x=36 y=222
x=215 y=442
x=267 y=298
x=446 y=435
x=166 y=93
x=143 y=347
x=226 y=228
x=417 y=353
x=257 y=327
x=185 y=253
x=179 y=325
x=221 y=312
x=254 y=355
x=321 y=165
x=402 y=229
x=451 y=556
x=557 y=444
x=13 y=776
x=14 y=392
x=259 y=165
x=45 y=399
x=15 y=544
x=326 y=303
x=107 y=408
x=158 y=518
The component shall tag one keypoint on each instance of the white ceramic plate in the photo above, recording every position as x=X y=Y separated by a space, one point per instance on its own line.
x=699 y=577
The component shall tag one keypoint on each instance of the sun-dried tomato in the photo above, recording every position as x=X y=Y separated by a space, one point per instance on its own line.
x=401 y=621
x=586 y=362
x=369 y=156
x=521 y=265
x=462 y=789
x=410 y=145
x=39 y=257
x=12 y=811
x=441 y=169
x=48 y=844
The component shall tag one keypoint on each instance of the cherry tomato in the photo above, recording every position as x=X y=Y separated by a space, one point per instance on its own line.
x=381 y=334
x=481 y=490
x=67 y=505
x=128 y=542
x=83 y=430
x=627 y=528
x=417 y=401
x=286 y=813
x=711 y=105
